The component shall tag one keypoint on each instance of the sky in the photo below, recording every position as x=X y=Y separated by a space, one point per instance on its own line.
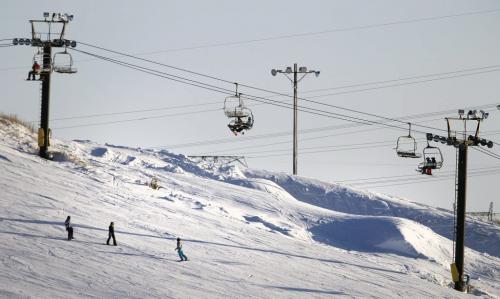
x=448 y=49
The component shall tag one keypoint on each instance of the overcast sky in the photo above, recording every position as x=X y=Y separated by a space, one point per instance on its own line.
x=351 y=42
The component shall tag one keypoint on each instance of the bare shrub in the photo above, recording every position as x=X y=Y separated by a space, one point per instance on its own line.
x=15 y=119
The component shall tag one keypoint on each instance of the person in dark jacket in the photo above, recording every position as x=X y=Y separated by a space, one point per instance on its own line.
x=111 y=234
x=69 y=228
x=179 y=250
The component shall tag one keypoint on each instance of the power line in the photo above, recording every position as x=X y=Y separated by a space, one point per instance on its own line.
x=132 y=120
x=405 y=84
x=335 y=30
x=134 y=111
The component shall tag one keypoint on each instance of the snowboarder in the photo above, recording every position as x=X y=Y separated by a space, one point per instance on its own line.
x=179 y=250
x=35 y=69
x=69 y=228
x=111 y=234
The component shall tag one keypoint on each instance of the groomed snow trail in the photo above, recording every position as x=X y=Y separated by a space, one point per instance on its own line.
x=247 y=233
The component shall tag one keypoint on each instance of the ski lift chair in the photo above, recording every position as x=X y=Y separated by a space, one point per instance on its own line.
x=241 y=117
x=432 y=159
x=406 y=146
x=63 y=63
x=241 y=124
x=234 y=107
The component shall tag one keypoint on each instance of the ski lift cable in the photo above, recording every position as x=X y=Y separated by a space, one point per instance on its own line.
x=156 y=72
x=286 y=133
x=352 y=110
x=250 y=97
x=356 y=181
x=335 y=148
x=306 y=139
x=414 y=178
x=486 y=152
x=227 y=81
x=268 y=99
x=429 y=180
x=249 y=86
x=419 y=177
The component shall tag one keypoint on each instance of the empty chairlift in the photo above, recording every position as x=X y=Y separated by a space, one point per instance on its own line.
x=406 y=146
x=63 y=63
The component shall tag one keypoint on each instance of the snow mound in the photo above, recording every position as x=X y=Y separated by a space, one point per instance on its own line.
x=384 y=235
x=480 y=235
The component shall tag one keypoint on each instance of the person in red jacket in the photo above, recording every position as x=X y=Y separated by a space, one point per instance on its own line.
x=35 y=70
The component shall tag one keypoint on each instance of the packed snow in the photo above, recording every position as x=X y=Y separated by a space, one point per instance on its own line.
x=247 y=233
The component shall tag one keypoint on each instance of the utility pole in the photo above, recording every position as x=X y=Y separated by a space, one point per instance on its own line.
x=461 y=140
x=301 y=70
x=52 y=35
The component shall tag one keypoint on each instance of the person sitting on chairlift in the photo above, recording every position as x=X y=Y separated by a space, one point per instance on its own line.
x=237 y=127
x=35 y=70
x=433 y=163
x=426 y=168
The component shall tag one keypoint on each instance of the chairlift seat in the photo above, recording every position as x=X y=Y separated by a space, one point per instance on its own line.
x=237 y=112
x=65 y=69
x=409 y=154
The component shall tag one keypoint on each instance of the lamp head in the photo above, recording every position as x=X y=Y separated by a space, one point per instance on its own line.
x=274 y=72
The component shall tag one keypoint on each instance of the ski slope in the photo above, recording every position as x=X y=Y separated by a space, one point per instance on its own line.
x=247 y=233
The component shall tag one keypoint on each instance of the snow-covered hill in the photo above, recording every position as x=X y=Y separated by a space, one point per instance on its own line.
x=248 y=233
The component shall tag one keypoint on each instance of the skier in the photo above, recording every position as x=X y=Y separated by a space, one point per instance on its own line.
x=179 y=250
x=69 y=228
x=111 y=234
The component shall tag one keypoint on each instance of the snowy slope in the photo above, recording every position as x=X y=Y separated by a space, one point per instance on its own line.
x=248 y=233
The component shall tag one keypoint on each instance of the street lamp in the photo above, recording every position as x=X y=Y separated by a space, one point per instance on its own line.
x=302 y=70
